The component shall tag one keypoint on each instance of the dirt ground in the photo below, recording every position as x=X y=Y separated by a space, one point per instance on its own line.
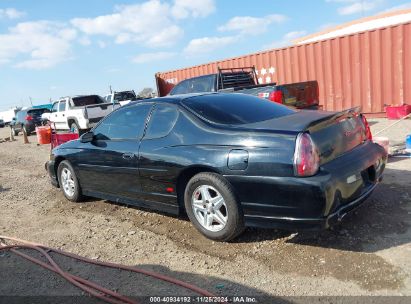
x=369 y=254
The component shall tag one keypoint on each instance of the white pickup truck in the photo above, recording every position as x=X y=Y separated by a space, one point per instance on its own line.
x=80 y=113
x=123 y=97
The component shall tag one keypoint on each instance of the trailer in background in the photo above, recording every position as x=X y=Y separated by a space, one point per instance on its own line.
x=370 y=69
x=8 y=115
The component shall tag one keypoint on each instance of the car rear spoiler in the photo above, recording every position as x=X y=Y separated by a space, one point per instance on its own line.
x=338 y=116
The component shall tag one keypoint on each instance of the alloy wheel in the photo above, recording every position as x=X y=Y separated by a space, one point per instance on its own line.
x=209 y=208
x=67 y=182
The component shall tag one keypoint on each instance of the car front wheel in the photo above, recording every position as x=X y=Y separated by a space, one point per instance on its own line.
x=68 y=182
x=213 y=208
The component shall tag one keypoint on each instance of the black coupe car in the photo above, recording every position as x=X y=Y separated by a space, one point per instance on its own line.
x=227 y=160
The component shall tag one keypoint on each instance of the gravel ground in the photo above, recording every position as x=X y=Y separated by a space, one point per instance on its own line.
x=369 y=254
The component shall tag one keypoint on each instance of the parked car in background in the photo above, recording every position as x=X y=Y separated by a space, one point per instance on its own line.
x=80 y=113
x=27 y=120
x=244 y=80
x=2 y=124
x=123 y=97
x=227 y=160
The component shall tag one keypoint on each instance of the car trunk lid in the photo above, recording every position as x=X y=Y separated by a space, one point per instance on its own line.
x=337 y=134
x=334 y=133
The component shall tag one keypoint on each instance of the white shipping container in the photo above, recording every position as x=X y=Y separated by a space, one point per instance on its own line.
x=8 y=115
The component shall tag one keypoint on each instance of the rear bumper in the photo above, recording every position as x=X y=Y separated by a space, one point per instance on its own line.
x=315 y=202
x=49 y=166
x=295 y=223
x=31 y=126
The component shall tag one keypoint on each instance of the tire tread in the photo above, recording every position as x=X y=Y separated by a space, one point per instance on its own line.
x=78 y=196
x=222 y=183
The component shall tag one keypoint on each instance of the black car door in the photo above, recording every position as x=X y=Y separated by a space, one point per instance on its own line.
x=157 y=165
x=109 y=164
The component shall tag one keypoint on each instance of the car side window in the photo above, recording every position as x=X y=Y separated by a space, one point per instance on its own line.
x=62 y=106
x=124 y=124
x=55 y=107
x=162 y=120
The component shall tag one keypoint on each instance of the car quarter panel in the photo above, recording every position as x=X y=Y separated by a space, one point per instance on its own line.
x=162 y=160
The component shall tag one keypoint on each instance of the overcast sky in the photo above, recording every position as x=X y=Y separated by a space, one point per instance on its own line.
x=51 y=48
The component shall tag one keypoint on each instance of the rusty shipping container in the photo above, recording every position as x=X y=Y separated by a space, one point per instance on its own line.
x=370 y=69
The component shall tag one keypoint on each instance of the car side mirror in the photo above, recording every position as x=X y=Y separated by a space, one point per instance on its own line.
x=87 y=137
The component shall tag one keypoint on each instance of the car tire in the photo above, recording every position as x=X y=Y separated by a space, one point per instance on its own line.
x=212 y=207
x=75 y=128
x=68 y=182
x=15 y=132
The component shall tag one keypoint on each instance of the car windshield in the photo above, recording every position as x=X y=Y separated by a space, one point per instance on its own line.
x=235 y=109
x=121 y=96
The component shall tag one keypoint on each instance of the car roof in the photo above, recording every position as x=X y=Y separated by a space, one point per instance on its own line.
x=176 y=99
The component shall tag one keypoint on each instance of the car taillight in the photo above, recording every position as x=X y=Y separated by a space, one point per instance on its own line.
x=306 y=156
x=276 y=96
x=366 y=127
x=28 y=118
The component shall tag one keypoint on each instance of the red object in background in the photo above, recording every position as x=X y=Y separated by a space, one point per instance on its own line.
x=43 y=135
x=397 y=112
x=28 y=118
x=276 y=96
x=58 y=139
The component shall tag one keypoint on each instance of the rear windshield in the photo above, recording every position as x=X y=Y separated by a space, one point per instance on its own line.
x=87 y=100
x=37 y=112
x=195 y=85
x=121 y=96
x=235 y=109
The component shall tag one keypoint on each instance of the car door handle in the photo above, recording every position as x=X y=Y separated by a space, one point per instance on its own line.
x=128 y=155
